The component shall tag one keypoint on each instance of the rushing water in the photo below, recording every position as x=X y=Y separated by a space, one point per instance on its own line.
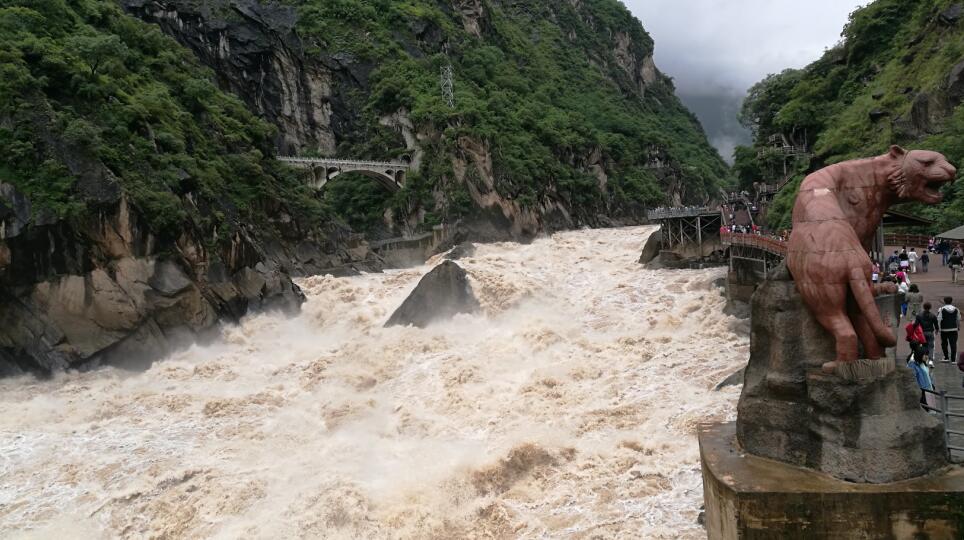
x=567 y=409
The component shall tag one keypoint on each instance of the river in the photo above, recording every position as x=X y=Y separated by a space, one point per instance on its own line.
x=567 y=409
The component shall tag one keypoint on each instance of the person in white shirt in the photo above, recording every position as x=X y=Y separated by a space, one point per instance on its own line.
x=912 y=259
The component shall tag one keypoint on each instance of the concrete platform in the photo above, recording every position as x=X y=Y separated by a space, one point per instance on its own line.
x=749 y=497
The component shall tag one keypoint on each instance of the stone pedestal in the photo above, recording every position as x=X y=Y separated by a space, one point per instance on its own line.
x=749 y=497
x=866 y=426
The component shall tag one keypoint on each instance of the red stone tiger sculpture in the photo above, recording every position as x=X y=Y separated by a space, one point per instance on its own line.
x=835 y=217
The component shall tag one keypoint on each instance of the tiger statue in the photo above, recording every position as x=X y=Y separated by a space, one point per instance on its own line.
x=835 y=218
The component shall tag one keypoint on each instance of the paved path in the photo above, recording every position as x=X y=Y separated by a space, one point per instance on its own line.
x=935 y=285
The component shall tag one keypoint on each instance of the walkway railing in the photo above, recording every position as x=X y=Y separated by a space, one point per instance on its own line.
x=946 y=415
x=681 y=211
x=771 y=245
x=909 y=240
x=344 y=162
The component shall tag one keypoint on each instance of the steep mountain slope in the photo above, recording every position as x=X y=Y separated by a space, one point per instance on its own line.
x=138 y=203
x=560 y=118
x=140 y=197
x=896 y=78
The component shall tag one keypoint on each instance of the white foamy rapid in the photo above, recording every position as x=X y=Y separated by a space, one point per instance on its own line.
x=567 y=410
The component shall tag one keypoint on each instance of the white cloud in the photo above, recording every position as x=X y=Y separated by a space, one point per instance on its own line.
x=715 y=46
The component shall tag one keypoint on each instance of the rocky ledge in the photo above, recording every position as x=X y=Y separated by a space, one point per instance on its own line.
x=105 y=290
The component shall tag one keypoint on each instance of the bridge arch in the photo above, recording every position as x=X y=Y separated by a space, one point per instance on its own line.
x=390 y=175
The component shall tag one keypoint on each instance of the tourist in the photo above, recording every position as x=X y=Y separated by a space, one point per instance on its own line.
x=901 y=277
x=948 y=323
x=914 y=301
x=916 y=362
x=893 y=262
x=903 y=258
x=944 y=247
x=925 y=259
x=930 y=245
x=912 y=260
x=955 y=261
x=929 y=324
x=903 y=287
x=875 y=273
x=914 y=334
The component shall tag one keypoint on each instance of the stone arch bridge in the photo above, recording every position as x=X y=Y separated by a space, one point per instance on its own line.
x=390 y=174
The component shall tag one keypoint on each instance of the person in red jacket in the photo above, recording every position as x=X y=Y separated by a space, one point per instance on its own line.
x=915 y=338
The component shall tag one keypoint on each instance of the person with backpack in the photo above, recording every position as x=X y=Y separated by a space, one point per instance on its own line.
x=915 y=339
x=948 y=323
x=914 y=300
x=955 y=261
x=893 y=262
x=929 y=325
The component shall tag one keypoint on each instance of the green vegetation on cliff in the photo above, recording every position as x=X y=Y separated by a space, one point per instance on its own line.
x=92 y=100
x=891 y=80
x=552 y=90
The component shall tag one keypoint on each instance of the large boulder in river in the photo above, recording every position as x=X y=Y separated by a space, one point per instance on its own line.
x=651 y=248
x=440 y=294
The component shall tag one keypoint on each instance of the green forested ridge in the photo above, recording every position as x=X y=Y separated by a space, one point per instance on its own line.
x=887 y=82
x=540 y=85
x=84 y=86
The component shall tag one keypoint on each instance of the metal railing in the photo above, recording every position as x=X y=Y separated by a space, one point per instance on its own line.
x=681 y=211
x=909 y=240
x=344 y=162
x=771 y=245
x=946 y=415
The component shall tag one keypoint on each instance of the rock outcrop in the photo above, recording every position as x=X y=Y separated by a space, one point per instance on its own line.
x=651 y=248
x=861 y=427
x=251 y=46
x=441 y=294
x=106 y=290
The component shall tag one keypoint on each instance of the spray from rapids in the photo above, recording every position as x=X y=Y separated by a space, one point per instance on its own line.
x=567 y=409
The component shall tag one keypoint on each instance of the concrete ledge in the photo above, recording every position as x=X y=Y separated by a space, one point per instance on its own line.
x=749 y=497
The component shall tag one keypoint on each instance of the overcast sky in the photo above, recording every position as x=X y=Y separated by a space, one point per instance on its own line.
x=716 y=49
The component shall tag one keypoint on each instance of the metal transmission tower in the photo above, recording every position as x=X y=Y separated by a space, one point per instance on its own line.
x=448 y=91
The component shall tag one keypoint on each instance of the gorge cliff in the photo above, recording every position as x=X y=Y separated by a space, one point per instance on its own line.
x=139 y=204
x=141 y=200
x=896 y=77
x=559 y=117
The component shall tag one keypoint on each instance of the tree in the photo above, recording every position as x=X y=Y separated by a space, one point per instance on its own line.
x=764 y=101
x=746 y=167
x=97 y=50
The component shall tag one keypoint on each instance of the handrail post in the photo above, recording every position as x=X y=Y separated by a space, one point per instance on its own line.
x=947 y=426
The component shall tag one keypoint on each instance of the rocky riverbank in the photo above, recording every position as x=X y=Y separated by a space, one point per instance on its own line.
x=107 y=290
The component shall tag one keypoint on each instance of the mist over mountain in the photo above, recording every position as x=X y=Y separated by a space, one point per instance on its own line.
x=718 y=114
x=715 y=51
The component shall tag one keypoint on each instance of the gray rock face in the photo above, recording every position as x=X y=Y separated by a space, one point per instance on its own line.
x=97 y=293
x=441 y=293
x=955 y=84
x=951 y=15
x=257 y=55
x=733 y=379
x=870 y=429
x=461 y=251
x=651 y=248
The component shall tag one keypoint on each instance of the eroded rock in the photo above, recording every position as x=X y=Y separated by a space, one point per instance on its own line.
x=441 y=294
